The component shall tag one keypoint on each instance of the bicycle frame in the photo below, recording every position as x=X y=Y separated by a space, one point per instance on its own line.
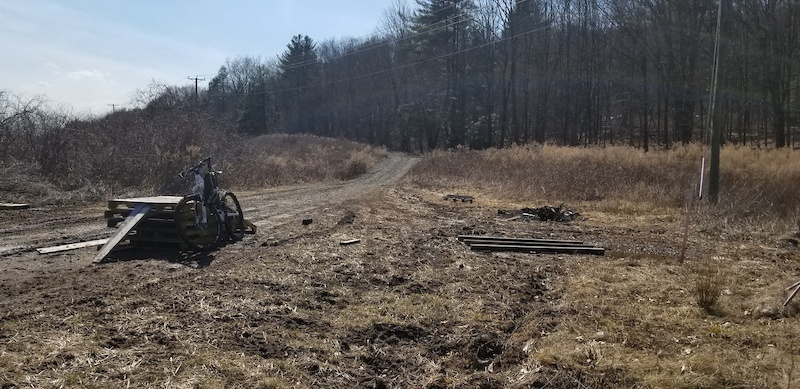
x=225 y=209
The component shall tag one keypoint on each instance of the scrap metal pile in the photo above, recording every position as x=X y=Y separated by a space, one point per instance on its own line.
x=545 y=213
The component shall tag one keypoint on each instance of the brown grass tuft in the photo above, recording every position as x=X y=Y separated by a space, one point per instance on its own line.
x=709 y=283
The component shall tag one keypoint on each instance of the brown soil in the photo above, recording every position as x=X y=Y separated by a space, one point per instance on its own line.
x=408 y=306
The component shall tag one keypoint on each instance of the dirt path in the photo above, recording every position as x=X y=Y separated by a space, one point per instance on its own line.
x=271 y=208
x=21 y=232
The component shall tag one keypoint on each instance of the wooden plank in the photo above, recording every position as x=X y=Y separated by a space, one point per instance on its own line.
x=71 y=246
x=173 y=200
x=158 y=202
x=9 y=206
x=136 y=216
x=540 y=249
x=505 y=239
x=153 y=239
x=155 y=213
x=526 y=243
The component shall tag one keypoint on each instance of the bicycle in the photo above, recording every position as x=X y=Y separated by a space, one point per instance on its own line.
x=208 y=215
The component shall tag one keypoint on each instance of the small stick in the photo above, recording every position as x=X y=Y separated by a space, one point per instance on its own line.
x=785 y=303
x=686 y=225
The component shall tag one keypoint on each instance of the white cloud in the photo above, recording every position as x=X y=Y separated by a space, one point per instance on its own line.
x=53 y=67
x=90 y=75
x=44 y=84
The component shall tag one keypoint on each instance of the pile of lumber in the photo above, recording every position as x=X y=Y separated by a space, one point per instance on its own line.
x=155 y=225
x=529 y=245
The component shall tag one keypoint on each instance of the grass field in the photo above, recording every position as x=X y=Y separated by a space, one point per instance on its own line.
x=638 y=318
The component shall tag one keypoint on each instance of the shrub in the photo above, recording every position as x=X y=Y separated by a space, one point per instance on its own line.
x=708 y=286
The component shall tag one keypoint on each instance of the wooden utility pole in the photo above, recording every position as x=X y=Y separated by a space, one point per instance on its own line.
x=196 y=80
x=113 y=107
x=716 y=120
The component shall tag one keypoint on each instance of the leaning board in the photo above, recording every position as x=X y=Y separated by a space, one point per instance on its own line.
x=136 y=215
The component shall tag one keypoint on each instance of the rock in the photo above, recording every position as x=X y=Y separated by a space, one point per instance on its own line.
x=769 y=310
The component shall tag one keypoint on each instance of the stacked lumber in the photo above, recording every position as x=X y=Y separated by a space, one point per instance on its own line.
x=156 y=229
x=529 y=245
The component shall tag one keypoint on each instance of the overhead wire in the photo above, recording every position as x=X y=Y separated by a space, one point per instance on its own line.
x=464 y=18
x=446 y=23
x=378 y=33
x=392 y=69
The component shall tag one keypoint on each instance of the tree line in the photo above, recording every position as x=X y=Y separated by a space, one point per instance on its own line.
x=492 y=73
x=495 y=73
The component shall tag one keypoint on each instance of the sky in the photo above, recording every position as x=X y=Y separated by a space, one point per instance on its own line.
x=85 y=55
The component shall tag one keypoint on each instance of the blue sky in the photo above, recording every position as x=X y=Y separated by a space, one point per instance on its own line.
x=87 y=54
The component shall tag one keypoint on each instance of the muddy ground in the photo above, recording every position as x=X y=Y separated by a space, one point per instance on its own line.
x=407 y=306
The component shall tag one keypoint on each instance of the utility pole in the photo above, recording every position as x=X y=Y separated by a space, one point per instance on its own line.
x=196 y=80
x=719 y=76
x=113 y=107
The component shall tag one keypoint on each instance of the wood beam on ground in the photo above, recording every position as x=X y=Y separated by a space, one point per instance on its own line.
x=71 y=246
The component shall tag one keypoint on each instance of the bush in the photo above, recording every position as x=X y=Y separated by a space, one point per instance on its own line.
x=708 y=286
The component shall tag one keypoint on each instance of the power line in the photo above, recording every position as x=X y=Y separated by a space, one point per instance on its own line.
x=395 y=68
x=196 y=80
x=465 y=17
x=377 y=33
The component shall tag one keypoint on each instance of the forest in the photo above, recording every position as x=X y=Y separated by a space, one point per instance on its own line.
x=492 y=73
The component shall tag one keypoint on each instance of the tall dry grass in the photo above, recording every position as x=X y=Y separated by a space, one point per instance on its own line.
x=755 y=184
x=246 y=162
x=290 y=159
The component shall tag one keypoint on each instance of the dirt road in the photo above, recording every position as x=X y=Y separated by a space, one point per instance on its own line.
x=22 y=231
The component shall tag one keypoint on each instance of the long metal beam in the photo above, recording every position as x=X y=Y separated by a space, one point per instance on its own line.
x=480 y=238
x=540 y=249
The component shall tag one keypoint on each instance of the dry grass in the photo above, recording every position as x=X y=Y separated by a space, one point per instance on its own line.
x=290 y=159
x=757 y=186
x=25 y=183
x=261 y=162
x=709 y=283
x=636 y=318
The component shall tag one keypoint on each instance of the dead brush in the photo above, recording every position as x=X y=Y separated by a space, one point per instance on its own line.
x=282 y=159
x=758 y=187
x=710 y=280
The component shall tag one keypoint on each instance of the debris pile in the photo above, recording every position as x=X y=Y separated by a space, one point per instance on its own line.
x=458 y=197
x=545 y=213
